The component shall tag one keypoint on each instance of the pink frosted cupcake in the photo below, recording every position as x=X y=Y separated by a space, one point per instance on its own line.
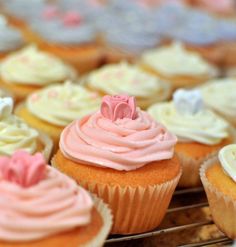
x=121 y=154
x=48 y=208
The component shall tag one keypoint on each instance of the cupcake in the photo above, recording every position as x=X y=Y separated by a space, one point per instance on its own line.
x=218 y=176
x=16 y=134
x=27 y=70
x=173 y=63
x=201 y=133
x=121 y=154
x=70 y=36
x=220 y=95
x=52 y=108
x=48 y=208
x=128 y=79
x=123 y=35
x=11 y=39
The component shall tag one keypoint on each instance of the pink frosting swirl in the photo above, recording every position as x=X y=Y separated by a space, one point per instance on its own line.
x=52 y=204
x=123 y=144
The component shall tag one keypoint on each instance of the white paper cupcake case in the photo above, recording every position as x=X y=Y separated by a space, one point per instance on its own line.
x=106 y=215
x=223 y=207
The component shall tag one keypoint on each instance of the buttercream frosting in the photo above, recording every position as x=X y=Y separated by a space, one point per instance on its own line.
x=50 y=203
x=194 y=124
x=227 y=157
x=176 y=60
x=117 y=140
x=60 y=104
x=125 y=78
x=220 y=96
x=34 y=67
x=14 y=133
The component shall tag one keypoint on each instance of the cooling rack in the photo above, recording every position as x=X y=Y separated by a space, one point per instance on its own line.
x=179 y=196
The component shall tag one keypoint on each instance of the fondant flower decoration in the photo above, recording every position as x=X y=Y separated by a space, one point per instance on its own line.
x=72 y=18
x=22 y=168
x=118 y=107
x=51 y=12
x=188 y=101
x=6 y=107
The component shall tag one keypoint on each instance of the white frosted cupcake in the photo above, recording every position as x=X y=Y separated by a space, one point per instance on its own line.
x=124 y=78
x=15 y=134
x=54 y=107
x=220 y=96
x=201 y=133
x=218 y=176
x=29 y=69
x=174 y=63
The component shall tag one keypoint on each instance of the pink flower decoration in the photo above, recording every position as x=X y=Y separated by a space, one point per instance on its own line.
x=72 y=18
x=50 y=12
x=118 y=107
x=22 y=168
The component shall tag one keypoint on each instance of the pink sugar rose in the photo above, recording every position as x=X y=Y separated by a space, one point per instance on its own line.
x=22 y=168
x=118 y=107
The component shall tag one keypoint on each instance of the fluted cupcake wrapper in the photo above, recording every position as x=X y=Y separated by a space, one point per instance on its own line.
x=106 y=215
x=190 y=176
x=135 y=209
x=223 y=207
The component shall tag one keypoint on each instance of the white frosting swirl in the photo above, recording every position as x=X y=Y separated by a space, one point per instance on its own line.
x=60 y=104
x=129 y=79
x=14 y=133
x=204 y=127
x=227 y=157
x=176 y=60
x=220 y=96
x=34 y=67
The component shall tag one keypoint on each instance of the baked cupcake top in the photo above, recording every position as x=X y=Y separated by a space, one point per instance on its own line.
x=14 y=133
x=220 y=95
x=31 y=66
x=176 y=60
x=10 y=38
x=41 y=200
x=227 y=157
x=119 y=136
x=60 y=104
x=186 y=117
x=126 y=78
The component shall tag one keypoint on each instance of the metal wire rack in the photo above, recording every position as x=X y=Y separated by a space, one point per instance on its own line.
x=178 y=195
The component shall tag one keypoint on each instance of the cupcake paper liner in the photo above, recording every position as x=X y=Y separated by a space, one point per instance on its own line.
x=48 y=145
x=137 y=209
x=106 y=215
x=190 y=166
x=223 y=207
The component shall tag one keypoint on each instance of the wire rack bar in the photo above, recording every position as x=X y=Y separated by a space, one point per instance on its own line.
x=223 y=240
x=158 y=232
